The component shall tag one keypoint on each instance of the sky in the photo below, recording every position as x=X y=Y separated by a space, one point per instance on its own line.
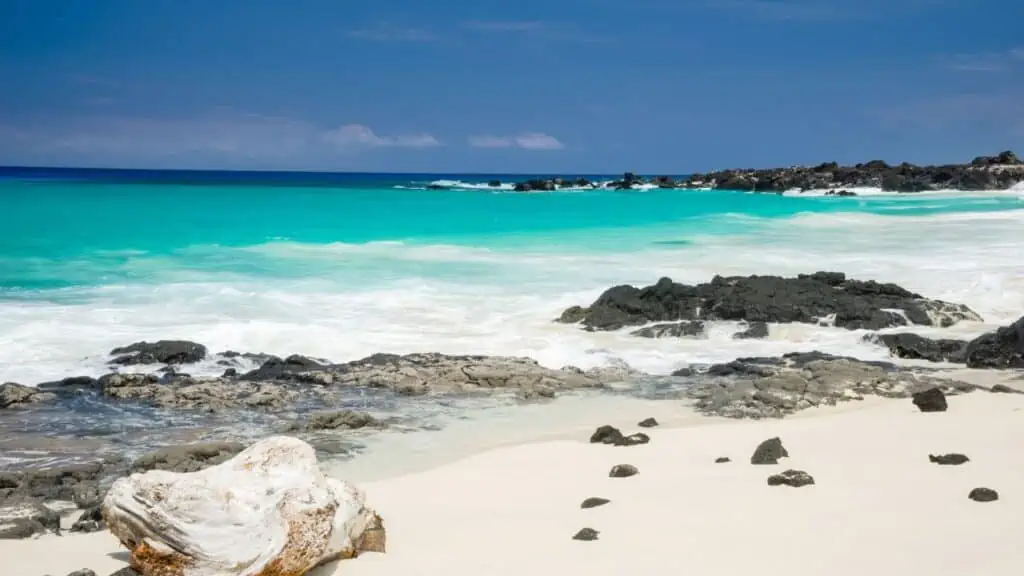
x=537 y=86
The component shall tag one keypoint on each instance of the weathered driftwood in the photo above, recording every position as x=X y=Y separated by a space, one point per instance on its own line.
x=269 y=511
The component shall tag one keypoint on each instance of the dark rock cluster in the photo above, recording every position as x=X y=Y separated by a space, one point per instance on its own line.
x=774 y=387
x=23 y=493
x=821 y=297
x=611 y=435
x=997 y=172
x=1001 y=349
x=983 y=173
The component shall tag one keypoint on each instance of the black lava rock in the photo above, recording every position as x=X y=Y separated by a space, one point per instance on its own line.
x=930 y=400
x=1003 y=348
x=912 y=346
x=794 y=478
x=160 y=352
x=755 y=330
x=623 y=471
x=807 y=298
x=769 y=452
x=948 y=459
x=983 y=495
x=586 y=535
x=606 y=435
x=594 y=502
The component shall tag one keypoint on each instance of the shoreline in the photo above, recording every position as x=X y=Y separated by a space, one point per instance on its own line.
x=390 y=420
x=866 y=457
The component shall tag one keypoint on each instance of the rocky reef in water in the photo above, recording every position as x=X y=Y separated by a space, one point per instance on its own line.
x=998 y=172
x=818 y=298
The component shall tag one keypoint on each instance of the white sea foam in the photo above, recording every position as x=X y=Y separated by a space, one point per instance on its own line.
x=459 y=184
x=355 y=300
x=510 y=186
x=1017 y=190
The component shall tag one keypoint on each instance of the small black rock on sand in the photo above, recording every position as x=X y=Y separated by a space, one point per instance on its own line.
x=623 y=471
x=931 y=400
x=983 y=495
x=769 y=452
x=586 y=535
x=594 y=502
x=948 y=459
x=794 y=478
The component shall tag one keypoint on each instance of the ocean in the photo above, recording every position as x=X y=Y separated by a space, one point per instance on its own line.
x=341 y=266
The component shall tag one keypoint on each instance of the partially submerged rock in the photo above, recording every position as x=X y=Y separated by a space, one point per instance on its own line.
x=671 y=330
x=822 y=297
x=160 y=352
x=342 y=420
x=754 y=330
x=1003 y=348
x=274 y=368
x=413 y=374
x=647 y=423
x=206 y=394
x=268 y=511
x=14 y=395
x=912 y=346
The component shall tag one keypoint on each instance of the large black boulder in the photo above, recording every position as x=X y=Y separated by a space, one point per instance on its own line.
x=1003 y=348
x=160 y=352
x=913 y=346
x=807 y=298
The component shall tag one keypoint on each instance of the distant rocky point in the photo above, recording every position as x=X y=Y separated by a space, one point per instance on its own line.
x=998 y=172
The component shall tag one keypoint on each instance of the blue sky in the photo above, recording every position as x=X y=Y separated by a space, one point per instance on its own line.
x=526 y=85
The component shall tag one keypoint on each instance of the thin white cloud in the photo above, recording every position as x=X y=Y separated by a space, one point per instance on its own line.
x=357 y=135
x=219 y=137
x=999 y=112
x=536 y=30
x=525 y=140
x=987 y=61
x=391 y=33
x=811 y=11
x=504 y=25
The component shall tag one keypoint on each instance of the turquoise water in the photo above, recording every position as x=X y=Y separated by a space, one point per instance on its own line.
x=60 y=234
x=343 y=266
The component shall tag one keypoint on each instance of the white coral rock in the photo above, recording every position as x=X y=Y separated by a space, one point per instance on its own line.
x=269 y=511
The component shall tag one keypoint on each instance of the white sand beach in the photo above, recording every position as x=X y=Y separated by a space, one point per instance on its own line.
x=878 y=506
